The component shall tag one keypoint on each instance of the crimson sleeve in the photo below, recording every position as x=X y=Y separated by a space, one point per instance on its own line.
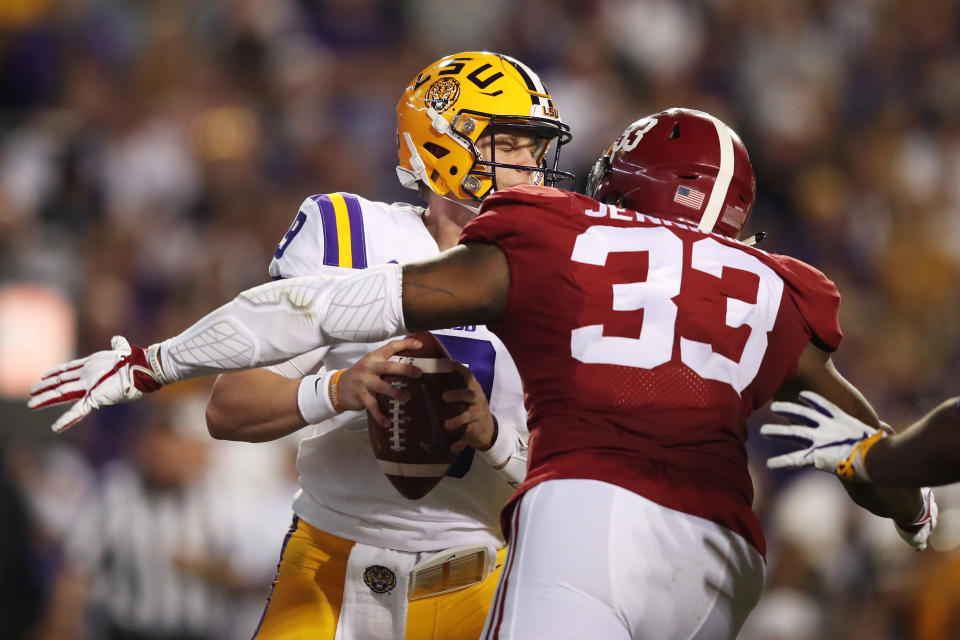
x=817 y=299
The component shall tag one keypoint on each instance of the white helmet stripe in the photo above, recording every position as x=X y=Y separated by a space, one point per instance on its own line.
x=533 y=82
x=528 y=73
x=719 y=193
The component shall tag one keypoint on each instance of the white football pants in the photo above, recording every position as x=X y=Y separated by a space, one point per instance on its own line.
x=592 y=561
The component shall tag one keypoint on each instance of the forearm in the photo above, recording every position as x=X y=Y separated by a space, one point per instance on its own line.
x=253 y=406
x=926 y=453
x=279 y=320
x=817 y=373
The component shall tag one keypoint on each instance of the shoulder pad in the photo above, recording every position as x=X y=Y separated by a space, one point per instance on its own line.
x=801 y=272
x=816 y=297
x=527 y=194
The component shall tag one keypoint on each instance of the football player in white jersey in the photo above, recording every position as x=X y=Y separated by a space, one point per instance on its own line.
x=361 y=561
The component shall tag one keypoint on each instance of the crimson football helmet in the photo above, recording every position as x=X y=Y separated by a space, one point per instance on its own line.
x=679 y=164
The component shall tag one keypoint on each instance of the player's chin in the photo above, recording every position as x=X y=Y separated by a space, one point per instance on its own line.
x=514 y=179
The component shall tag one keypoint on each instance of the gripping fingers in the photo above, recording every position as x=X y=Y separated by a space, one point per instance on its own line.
x=463 y=371
x=370 y=402
x=377 y=385
x=458 y=421
x=396 y=346
x=394 y=368
x=467 y=396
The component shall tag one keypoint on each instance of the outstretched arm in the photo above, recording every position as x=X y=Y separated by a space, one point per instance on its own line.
x=926 y=453
x=273 y=322
x=467 y=284
x=828 y=392
x=279 y=320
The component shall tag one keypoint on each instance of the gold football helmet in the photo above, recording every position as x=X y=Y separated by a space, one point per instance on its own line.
x=455 y=101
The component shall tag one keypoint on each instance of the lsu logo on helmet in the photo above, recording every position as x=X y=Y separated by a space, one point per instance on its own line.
x=443 y=94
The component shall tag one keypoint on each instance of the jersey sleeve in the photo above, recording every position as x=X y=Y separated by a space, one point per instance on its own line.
x=817 y=299
x=328 y=234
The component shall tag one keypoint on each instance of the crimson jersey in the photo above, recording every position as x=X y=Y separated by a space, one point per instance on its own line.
x=644 y=344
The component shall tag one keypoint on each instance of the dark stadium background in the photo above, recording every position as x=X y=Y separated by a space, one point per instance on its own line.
x=152 y=154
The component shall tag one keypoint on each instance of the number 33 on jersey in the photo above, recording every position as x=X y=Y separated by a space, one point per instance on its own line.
x=640 y=292
x=644 y=344
x=655 y=297
x=650 y=338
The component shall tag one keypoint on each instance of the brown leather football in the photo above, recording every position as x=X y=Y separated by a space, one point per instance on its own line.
x=414 y=453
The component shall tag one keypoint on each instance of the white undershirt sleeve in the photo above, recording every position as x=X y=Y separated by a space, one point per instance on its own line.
x=302 y=365
x=276 y=321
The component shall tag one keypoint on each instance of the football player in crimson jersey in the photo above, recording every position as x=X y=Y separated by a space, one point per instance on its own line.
x=645 y=336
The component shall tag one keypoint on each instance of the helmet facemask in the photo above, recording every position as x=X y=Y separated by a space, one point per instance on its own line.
x=542 y=134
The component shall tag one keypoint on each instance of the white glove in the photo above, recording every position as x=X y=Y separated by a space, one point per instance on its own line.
x=837 y=441
x=122 y=374
x=918 y=532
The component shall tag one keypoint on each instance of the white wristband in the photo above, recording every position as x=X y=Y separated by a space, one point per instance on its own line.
x=153 y=357
x=501 y=448
x=507 y=455
x=313 y=397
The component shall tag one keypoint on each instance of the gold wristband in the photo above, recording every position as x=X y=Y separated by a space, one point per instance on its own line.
x=848 y=469
x=333 y=391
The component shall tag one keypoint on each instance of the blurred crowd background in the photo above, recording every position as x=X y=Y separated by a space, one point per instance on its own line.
x=152 y=154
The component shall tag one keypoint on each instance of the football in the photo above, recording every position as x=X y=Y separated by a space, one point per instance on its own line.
x=414 y=453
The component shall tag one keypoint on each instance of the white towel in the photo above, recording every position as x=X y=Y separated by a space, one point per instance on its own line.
x=367 y=614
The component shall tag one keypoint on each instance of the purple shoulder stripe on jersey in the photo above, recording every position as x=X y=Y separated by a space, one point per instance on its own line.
x=331 y=250
x=358 y=244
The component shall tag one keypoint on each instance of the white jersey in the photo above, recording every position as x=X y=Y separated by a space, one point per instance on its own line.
x=343 y=491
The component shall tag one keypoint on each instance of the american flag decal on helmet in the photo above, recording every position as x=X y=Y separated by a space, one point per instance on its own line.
x=689 y=197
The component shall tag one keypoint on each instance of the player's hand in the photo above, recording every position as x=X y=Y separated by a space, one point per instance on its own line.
x=837 y=442
x=360 y=384
x=121 y=374
x=477 y=416
x=918 y=532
